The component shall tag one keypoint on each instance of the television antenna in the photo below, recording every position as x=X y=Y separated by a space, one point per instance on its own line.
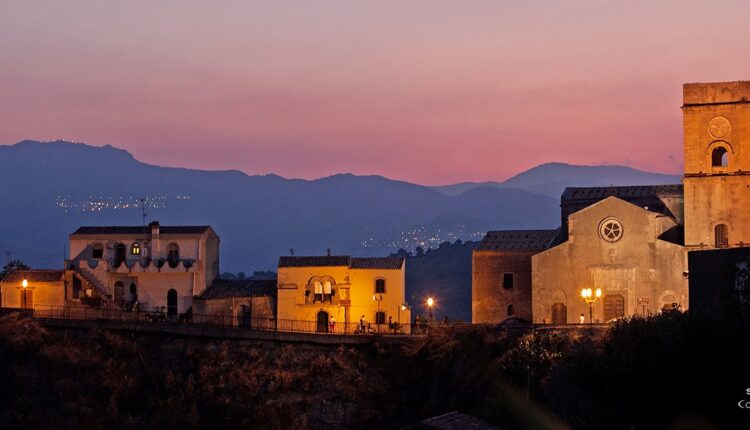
x=143 y=210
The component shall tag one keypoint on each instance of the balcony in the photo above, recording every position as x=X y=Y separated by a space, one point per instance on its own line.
x=141 y=265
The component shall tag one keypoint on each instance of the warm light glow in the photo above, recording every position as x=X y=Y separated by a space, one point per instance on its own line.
x=24 y=283
x=598 y=292
x=430 y=301
x=403 y=307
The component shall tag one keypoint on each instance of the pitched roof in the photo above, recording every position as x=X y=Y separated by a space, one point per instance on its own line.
x=380 y=263
x=386 y=263
x=35 y=275
x=625 y=193
x=228 y=288
x=315 y=261
x=140 y=230
x=518 y=240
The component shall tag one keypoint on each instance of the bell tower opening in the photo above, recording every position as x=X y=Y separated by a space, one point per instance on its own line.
x=716 y=180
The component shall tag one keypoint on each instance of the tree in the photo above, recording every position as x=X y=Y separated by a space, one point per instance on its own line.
x=12 y=266
x=419 y=251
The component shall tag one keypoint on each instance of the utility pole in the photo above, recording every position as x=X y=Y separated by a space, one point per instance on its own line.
x=143 y=210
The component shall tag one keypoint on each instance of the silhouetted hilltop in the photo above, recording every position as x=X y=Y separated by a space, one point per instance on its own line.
x=550 y=179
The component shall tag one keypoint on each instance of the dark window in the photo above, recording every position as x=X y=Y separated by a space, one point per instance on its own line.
x=721 y=236
x=173 y=255
x=97 y=251
x=511 y=310
x=380 y=317
x=119 y=254
x=380 y=286
x=720 y=157
x=173 y=251
x=508 y=281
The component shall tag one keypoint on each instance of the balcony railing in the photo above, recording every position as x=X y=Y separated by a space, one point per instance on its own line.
x=160 y=315
x=138 y=265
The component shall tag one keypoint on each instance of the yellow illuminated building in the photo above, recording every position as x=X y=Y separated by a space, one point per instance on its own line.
x=314 y=290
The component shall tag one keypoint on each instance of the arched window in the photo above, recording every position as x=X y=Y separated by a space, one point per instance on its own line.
x=173 y=251
x=719 y=157
x=135 y=248
x=97 y=251
x=380 y=317
x=172 y=303
x=380 y=286
x=173 y=255
x=511 y=310
x=721 y=236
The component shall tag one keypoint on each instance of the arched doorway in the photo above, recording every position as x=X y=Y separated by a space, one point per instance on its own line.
x=559 y=313
x=172 y=303
x=245 y=316
x=614 y=306
x=119 y=293
x=322 y=326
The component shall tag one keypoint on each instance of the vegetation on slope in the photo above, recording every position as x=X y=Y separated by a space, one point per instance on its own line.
x=652 y=373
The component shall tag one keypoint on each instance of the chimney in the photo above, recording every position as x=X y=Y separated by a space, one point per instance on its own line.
x=328 y=252
x=155 y=247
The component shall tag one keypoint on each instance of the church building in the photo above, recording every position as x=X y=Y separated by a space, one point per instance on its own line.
x=631 y=243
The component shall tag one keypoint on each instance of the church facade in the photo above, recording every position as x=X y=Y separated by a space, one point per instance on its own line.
x=632 y=243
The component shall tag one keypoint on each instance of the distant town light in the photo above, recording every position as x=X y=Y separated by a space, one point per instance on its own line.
x=430 y=301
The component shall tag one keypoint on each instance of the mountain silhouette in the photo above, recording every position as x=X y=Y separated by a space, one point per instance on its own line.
x=51 y=188
x=550 y=179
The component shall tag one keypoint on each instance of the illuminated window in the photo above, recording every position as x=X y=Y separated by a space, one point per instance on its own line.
x=721 y=236
x=508 y=281
x=97 y=251
x=720 y=157
x=380 y=286
x=135 y=249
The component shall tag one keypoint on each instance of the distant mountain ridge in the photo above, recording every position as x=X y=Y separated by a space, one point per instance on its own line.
x=52 y=188
x=551 y=179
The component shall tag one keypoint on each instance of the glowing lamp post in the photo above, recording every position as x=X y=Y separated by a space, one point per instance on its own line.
x=25 y=286
x=591 y=297
x=430 y=304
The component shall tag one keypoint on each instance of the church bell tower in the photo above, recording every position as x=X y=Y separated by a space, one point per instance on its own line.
x=716 y=125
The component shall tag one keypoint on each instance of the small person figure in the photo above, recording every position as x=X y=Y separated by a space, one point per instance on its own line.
x=581 y=319
x=332 y=324
x=362 y=324
x=445 y=321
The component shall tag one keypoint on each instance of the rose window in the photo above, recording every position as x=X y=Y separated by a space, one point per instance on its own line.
x=610 y=230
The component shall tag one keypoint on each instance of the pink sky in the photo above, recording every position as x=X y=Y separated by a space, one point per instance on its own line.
x=426 y=91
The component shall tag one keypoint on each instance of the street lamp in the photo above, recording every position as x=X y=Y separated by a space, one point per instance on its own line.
x=403 y=307
x=377 y=298
x=25 y=285
x=591 y=297
x=430 y=304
